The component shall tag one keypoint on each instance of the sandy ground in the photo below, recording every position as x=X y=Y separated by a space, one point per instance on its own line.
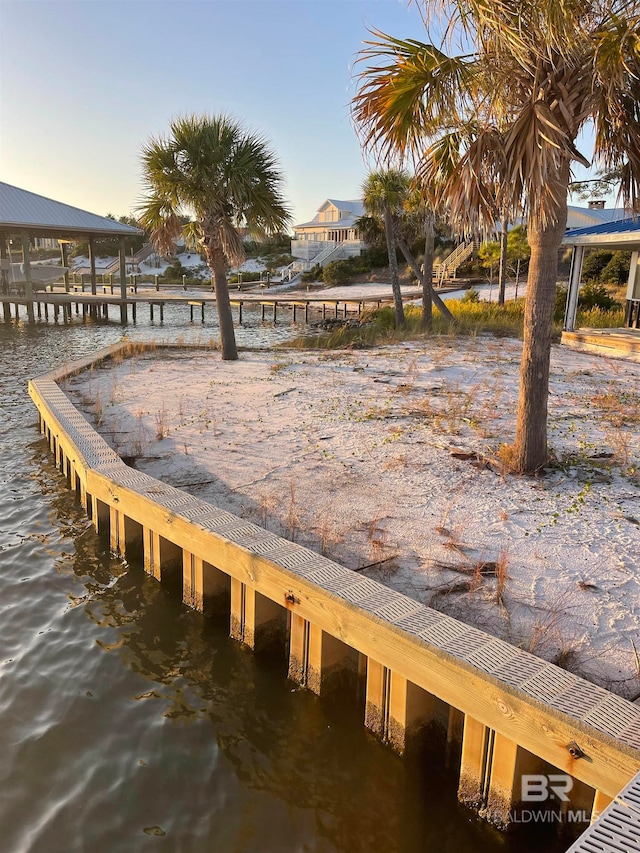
x=350 y=453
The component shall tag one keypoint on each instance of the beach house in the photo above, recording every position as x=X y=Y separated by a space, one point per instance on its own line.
x=331 y=234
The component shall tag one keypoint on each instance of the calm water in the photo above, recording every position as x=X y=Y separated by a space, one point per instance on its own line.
x=128 y=722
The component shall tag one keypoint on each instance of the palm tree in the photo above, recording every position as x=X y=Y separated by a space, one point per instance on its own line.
x=223 y=177
x=536 y=73
x=383 y=195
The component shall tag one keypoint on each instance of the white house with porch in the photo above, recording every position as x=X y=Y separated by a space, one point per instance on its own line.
x=330 y=236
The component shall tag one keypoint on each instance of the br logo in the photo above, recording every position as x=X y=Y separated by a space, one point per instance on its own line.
x=537 y=788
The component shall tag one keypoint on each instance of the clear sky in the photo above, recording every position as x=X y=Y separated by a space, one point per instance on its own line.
x=84 y=84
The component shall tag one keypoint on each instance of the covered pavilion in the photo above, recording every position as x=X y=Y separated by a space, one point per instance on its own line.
x=25 y=215
x=622 y=234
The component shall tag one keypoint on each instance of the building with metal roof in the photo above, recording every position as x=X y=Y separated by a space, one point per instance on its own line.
x=27 y=215
x=621 y=234
x=22 y=210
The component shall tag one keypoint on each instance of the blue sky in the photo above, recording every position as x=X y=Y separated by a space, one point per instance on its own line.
x=84 y=84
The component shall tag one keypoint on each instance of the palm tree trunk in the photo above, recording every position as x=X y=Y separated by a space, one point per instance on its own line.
x=427 y=272
x=502 y=272
x=530 y=446
x=393 y=268
x=218 y=266
x=437 y=301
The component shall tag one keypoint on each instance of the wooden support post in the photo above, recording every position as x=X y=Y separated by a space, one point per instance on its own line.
x=39 y=310
x=92 y=264
x=254 y=618
x=600 y=802
x=316 y=658
x=508 y=764
x=99 y=514
x=377 y=698
x=477 y=744
x=240 y=312
x=336 y=307
x=294 y=312
x=262 y=307
x=162 y=558
x=26 y=263
x=117 y=541
x=151 y=551
x=396 y=709
x=133 y=311
x=491 y=773
x=275 y=305
x=202 y=582
x=122 y=257
x=306 y=312
x=455 y=728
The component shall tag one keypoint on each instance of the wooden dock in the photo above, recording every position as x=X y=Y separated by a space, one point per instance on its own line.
x=62 y=307
x=613 y=343
x=503 y=713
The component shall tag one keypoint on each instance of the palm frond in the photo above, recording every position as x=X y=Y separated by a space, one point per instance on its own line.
x=397 y=103
x=224 y=176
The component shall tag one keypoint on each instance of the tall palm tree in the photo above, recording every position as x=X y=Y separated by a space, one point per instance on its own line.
x=222 y=176
x=539 y=71
x=383 y=195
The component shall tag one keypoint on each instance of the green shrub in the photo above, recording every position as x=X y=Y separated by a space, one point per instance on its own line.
x=592 y=297
x=595 y=296
x=617 y=270
x=174 y=272
x=246 y=276
x=560 y=302
x=314 y=274
x=338 y=272
x=471 y=295
x=594 y=263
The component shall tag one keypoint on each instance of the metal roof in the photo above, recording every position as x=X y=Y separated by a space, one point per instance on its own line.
x=624 y=233
x=353 y=207
x=21 y=210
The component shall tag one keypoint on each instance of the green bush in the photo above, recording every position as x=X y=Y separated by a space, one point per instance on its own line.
x=560 y=302
x=338 y=272
x=246 y=277
x=314 y=274
x=617 y=270
x=471 y=295
x=603 y=265
x=594 y=295
x=594 y=263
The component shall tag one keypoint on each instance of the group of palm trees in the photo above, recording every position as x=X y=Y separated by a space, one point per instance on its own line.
x=488 y=115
